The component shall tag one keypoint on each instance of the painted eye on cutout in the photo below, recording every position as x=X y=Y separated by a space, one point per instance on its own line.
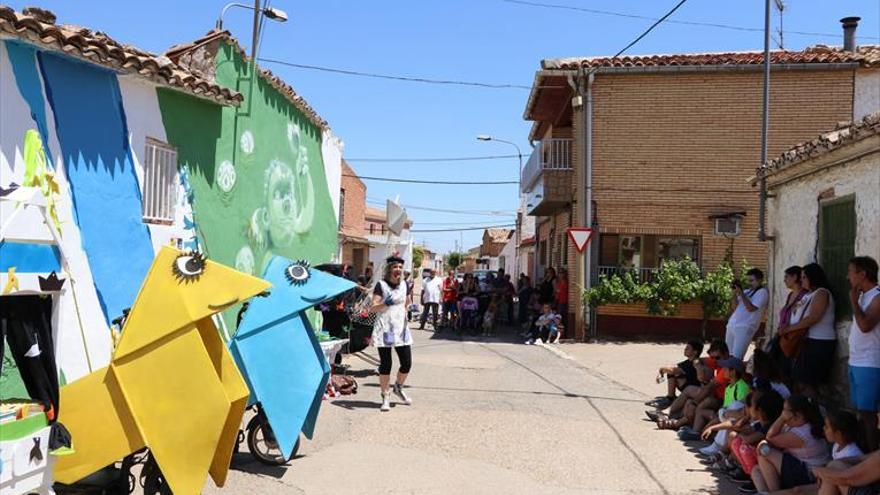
x=189 y=266
x=298 y=272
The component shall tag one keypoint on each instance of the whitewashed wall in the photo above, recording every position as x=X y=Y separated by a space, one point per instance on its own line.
x=331 y=151
x=866 y=97
x=793 y=220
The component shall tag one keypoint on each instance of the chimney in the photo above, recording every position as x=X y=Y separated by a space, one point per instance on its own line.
x=849 y=32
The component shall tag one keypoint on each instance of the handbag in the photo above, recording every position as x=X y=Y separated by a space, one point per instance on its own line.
x=792 y=343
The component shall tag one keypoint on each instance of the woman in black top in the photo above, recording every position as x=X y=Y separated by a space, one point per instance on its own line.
x=546 y=289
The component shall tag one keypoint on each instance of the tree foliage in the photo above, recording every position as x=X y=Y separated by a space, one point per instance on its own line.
x=454 y=260
x=418 y=256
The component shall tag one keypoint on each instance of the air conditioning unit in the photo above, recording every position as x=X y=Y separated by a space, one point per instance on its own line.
x=728 y=226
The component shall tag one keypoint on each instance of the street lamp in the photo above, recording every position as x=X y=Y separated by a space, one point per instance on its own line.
x=518 y=238
x=271 y=13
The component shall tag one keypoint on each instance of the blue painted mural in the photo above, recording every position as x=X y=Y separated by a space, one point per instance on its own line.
x=103 y=182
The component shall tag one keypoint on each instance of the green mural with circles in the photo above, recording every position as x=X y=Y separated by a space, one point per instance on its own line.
x=256 y=173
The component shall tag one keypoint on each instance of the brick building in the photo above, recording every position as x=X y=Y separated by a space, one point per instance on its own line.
x=670 y=141
x=353 y=245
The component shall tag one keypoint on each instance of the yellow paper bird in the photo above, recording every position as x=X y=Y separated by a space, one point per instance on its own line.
x=171 y=385
x=11 y=281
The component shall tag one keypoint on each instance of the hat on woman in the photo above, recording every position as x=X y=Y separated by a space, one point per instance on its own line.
x=393 y=259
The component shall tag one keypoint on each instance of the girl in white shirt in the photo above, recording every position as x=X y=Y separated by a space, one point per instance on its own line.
x=815 y=316
x=842 y=430
x=794 y=445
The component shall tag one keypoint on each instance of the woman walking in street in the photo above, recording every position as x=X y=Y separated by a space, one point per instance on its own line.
x=390 y=300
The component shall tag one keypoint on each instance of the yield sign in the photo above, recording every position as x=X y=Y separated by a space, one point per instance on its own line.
x=580 y=236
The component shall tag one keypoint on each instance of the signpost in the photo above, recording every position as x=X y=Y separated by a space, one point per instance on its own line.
x=581 y=237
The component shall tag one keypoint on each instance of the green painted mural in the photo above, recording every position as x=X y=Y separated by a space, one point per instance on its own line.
x=256 y=172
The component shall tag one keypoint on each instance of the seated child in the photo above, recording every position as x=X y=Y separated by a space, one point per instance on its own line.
x=469 y=306
x=678 y=376
x=765 y=408
x=842 y=431
x=544 y=326
x=489 y=319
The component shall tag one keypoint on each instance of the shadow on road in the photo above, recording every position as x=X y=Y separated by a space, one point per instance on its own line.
x=355 y=404
x=245 y=462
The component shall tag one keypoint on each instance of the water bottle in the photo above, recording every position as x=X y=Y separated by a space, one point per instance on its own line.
x=764 y=449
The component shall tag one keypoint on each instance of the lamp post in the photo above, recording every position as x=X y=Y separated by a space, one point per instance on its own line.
x=518 y=233
x=271 y=13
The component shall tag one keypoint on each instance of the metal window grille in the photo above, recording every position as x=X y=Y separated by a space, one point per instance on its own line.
x=160 y=182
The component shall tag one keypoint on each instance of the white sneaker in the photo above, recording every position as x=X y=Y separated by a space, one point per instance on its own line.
x=530 y=342
x=386 y=403
x=398 y=391
x=711 y=450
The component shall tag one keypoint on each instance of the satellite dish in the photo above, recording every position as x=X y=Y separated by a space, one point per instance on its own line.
x=395 y=217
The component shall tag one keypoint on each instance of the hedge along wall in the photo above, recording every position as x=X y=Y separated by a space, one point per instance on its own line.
x=256 y=173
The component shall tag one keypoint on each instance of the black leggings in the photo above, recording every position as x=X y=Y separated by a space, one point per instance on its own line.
x=404 y=353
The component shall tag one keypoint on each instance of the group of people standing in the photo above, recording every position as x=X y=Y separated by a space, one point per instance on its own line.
x=472 y=304
x=779 y=425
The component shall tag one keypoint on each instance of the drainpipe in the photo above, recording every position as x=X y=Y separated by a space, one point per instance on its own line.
x=765 y=124
x=583 y=85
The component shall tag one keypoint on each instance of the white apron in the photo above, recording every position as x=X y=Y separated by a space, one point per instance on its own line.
x=390 y=328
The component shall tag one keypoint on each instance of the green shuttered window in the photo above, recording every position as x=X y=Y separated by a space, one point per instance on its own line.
x=837 y=237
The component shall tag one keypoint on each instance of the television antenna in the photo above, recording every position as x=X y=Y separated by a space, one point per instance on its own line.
x=780 y=7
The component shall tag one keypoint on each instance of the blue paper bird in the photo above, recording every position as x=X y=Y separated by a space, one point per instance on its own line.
x=277 y=352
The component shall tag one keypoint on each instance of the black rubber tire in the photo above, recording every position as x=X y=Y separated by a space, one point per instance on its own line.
x=256 y=436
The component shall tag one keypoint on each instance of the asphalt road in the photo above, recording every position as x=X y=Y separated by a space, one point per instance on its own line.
x=491 y=416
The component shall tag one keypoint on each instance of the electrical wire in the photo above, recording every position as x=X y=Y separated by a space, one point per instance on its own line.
x=645 y=33
x=488 y=213
x=425 y=80
x=476 y=227
x=431 y=160
x=687 y=23
x=445 y=183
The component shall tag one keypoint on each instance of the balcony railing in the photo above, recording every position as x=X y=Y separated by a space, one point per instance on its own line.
x=549 y=154
x=642 y=274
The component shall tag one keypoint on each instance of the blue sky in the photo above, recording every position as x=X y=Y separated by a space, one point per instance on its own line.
x=476 y=40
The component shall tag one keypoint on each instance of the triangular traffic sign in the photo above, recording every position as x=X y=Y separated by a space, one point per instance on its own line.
x=580 y=236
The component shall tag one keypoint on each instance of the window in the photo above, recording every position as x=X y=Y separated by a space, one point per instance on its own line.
x=341 y=207
x=160 y=182
x=372 y=228
x=728 y=226
x=630 y=252
x=837 y=237
x=676 y=248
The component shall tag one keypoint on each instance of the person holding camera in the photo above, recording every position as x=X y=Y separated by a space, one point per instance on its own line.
x=746 y=318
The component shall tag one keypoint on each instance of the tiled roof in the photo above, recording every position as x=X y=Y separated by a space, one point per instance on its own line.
x=867 y=56
x=178 y=52
x=499 y=235
x=38 y=26
x=827 y=142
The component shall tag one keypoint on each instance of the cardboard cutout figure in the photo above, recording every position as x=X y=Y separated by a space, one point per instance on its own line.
x=171 y=385
x=277 y=351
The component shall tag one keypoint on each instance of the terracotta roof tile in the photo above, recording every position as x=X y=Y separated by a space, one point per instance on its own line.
x=39 y=27
x=178 y=54
x=844 y=134
x=868 y=55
